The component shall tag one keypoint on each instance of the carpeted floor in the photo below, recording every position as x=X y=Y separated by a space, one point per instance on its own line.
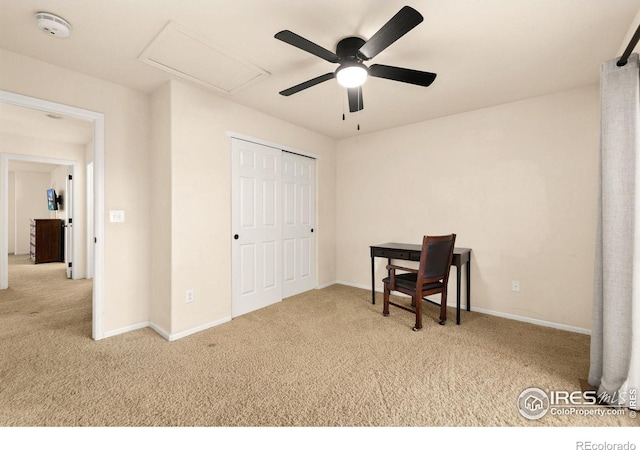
x=323 y=358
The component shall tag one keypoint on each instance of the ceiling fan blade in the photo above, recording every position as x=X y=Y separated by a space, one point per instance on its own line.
x=355 y=99
x=399 y=25
x=298 y=41
x=404 y=75
x=307 y=84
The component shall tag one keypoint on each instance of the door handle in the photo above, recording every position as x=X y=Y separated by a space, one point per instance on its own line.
x=312 y=230
x=235 y=236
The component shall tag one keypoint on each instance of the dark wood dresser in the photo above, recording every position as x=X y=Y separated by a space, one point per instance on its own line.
x=47 y=241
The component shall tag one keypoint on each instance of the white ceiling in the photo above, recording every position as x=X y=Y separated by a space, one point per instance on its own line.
x=485 y=52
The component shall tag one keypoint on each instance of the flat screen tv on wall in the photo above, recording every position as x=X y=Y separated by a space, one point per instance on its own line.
x=52 y=200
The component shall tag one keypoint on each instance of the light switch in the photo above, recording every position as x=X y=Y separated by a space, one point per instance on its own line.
x=116 y=216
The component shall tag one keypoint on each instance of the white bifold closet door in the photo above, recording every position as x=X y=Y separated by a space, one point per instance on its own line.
x=298 y=231
x=273 y=203
x=256 y=226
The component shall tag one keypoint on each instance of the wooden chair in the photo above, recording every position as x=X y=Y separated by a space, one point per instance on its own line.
x=430 y=278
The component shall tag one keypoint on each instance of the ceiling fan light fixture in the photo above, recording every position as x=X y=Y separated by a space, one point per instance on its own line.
x=352 y=75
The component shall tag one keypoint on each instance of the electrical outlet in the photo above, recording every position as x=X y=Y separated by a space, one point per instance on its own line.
x=190 y=296
x=116 y=216
x=515 y=286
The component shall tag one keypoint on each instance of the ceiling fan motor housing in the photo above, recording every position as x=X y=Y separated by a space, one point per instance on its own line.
x=53 y=25
x=347 y=48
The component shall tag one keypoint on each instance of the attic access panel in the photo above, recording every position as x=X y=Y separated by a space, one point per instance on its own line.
x=180 y=52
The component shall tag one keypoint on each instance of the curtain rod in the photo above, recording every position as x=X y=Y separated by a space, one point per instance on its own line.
x=632 y=44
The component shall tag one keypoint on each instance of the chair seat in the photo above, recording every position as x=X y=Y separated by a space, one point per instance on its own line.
x=408 y=281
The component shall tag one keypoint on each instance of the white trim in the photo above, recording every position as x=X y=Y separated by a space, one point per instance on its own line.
x=4 y=222
x=98 y=160
x=542 y=323
x=89 y=216
x=174 y=337
x=159 y=330
x=243 y=137
x=326 y=285
x=162 y=332
x=199 y=328
x=357 y=285
x=98 y=227
x=368 y=288
x=490 y=312
x=134 y=327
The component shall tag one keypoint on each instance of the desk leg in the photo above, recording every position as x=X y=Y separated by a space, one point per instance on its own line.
x=373 y=283
x=458 y=295
x=469 y=283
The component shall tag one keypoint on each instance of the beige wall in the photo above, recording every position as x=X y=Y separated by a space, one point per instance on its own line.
x=22 y=145
x=201 y=198
x=59 y=183
x=161 y=207
x=126 y=112
x=516 y=182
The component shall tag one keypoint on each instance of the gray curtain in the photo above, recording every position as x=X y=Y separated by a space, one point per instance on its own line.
x=615 y=363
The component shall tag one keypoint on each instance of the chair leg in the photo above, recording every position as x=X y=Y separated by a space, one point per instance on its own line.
x=443 y=308
x=385 y=308
x=418 y=304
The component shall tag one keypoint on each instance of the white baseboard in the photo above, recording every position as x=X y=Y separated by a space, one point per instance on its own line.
x=176 y=336
x=159 y=330
x=463 y=306
x=206 y=326
x=165 y=334
x=330 y=283
x=543 y=323
x=134 y=327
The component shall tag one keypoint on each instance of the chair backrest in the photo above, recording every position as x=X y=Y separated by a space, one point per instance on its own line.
x=436 y=257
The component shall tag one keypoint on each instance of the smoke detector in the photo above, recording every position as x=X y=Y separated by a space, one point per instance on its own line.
x=53 y=25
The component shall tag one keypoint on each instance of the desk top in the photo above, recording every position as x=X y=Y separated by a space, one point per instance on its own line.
x=417 y=248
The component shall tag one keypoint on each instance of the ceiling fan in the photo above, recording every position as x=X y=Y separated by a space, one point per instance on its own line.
x=352 y=51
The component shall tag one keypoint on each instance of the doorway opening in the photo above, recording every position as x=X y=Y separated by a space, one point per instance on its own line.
x=96 y=152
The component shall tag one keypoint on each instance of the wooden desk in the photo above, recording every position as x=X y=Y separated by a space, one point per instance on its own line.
x=411 y=252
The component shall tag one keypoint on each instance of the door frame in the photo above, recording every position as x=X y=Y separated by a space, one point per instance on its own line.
x=89 y=218
x=70 y=165
x=98 y=197
x=69 y=213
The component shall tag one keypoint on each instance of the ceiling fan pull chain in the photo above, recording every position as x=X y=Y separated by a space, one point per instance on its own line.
x=359 y=103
